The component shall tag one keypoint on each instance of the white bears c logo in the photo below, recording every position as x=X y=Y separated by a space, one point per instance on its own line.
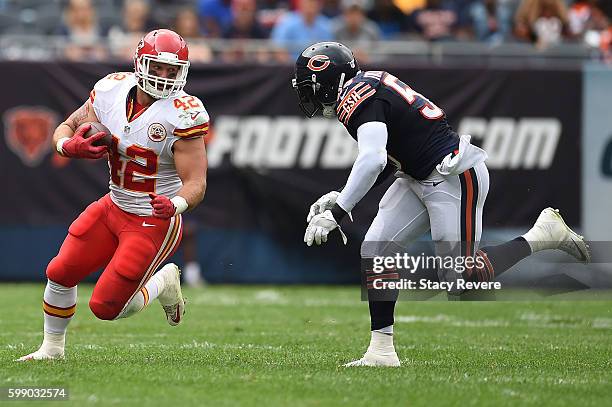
x=318 y=63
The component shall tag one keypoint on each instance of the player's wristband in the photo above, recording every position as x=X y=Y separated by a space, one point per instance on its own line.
x=339 y=213
x=180 y=204
x=59 y=145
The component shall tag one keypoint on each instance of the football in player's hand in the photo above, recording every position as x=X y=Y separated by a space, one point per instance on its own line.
x=97 y=128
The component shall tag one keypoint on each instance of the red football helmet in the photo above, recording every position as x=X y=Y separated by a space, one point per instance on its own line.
x=164 y=46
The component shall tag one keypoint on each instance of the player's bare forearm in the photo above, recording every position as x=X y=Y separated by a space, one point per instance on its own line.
x=191 y=166
x=193 y=191
x=83 y=114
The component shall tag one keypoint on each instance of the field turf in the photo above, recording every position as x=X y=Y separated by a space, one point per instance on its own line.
x=270 y=346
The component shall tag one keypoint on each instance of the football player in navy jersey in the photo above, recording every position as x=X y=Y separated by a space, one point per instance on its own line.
x=441 y=181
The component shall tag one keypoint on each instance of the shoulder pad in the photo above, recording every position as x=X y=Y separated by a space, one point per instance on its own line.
x=109 y=83
x=355 y=92
x=112 y=80
x=372 y=78
x=188 y=116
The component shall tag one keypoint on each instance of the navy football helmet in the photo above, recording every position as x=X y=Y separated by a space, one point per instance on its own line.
x=320 y=72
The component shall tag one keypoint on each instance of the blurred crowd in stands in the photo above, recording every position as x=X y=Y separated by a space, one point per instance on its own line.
x=97 y=29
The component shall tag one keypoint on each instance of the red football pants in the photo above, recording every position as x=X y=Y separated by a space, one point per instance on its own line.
x=130 y=247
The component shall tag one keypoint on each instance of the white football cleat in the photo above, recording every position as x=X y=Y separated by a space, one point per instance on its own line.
x=371 y=359
x=51 y=348
x=40 y=354
x=551 y=232
x=171 y=297
x=46 y=351
x=381 y=352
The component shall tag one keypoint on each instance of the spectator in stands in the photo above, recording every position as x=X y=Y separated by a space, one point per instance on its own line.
x=492 y=20
x=81 y=27
x=331 y=8
x=244 y=21
x=216 y=16
x=543 y=22
x=163 y=12
x=586 y=17
x=245 y=26
x=297 y=30
x=135 y=24
x=464 y=19
x=390 y=19
x=355 y=29
x=187 y=25
x=437 y=21
x=269 y=12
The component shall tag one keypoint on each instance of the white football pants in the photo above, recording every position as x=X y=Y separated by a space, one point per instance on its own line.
x=448 y=205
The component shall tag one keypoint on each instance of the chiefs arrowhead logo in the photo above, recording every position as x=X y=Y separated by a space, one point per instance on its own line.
x=318 y=63
x=28 y=131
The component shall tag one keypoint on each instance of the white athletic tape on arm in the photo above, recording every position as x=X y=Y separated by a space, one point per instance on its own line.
x=180 y=204
x=60 y=143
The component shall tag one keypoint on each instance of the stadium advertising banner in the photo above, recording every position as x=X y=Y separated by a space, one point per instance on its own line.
x=268 y=163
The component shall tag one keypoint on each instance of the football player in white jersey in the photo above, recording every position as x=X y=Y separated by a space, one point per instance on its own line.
x=157 y=162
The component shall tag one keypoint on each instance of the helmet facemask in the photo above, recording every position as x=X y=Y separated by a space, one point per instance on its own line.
x=314 y=97
x=306 y=94
x=156 y=86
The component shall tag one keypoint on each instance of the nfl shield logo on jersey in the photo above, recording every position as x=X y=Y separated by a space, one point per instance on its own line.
x=157 y=132
x=28 y=131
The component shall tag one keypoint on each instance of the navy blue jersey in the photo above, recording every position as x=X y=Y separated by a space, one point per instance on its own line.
x=419 y=135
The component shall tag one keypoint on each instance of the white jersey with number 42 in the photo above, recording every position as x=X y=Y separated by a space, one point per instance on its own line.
x=141 y=159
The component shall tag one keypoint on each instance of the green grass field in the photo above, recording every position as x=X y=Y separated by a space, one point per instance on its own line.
x=272 y=346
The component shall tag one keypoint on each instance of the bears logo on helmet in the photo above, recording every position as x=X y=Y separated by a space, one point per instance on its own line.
x=324 y=59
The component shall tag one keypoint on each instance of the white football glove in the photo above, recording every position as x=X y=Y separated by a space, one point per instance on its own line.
x=322 y=204
x=319 y=227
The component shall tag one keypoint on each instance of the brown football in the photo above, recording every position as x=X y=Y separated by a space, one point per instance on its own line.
x=96 y=128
